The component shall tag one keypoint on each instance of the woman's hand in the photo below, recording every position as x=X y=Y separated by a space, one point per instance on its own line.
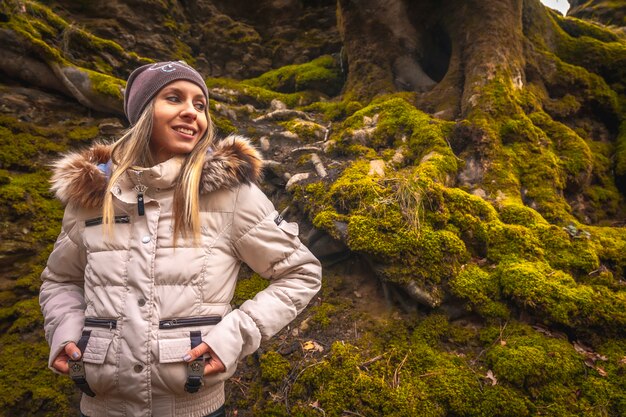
x=212 y=365
x=60 y=362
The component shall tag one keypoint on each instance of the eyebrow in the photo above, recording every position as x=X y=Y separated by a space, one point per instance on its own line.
x=176 y=90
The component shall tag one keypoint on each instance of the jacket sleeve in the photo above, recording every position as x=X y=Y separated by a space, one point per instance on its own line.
x=62 y=295
x=276 y=253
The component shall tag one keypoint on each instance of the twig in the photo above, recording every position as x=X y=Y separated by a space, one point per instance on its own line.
x=371 y=361
x=396 y=373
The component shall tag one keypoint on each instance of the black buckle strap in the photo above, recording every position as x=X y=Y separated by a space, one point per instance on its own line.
x=77 y=368
x=195 y=368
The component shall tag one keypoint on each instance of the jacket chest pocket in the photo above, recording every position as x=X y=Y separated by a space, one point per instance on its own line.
x=96 y=238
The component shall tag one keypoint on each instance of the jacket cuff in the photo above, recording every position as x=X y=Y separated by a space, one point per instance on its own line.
x=233 y=338
x=66 y=332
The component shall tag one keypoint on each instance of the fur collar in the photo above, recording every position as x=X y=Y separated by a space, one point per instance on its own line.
x=77 y=179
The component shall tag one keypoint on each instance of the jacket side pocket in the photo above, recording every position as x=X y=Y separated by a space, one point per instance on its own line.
x=99 y=372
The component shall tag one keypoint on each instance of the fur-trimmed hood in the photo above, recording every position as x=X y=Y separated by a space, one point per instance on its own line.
x=79 y=180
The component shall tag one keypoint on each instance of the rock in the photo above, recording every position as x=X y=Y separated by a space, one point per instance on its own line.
x=377 y=167
x=265 y=143
x=277 y=105
x=429 y=156
x=479 y=192
x=422 y=296
x=110 y=127
x=297 y=178
x=282 y=114
x=325 y=246
x=398 y=157
x=319 y=166
x=288 y=135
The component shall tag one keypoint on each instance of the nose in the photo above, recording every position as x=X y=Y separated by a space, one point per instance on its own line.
x=189 y=110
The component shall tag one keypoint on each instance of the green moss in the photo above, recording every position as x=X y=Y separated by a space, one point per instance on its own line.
x=28 y=387
x=555 y=296
x=481 y=290
x=83 y=133
x=579 y=27
x=520 y=215
x=223 y=125
x=397 y=122
x=405 y=381
x=247 y=288
x=356 y=190
x=261 y=97
x=563 y=107
x=106 y=84
x=306 y=131
x=334 y=110
x=238 y=33
x=606 y=57
x=562 y=251
x=575 y=156
x=50 y=36
x=274 y=368
x=509 y=242
x=322 y=74
x=532 y=361
x=610 y=246
x=602 y=197
x=620 y=151
x=322 y=314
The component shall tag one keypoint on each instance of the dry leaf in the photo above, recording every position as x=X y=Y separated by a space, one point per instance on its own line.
x=601 y=371
x=312 y=346
x=502 y=342
x=490 y=376
x=578 y=348
x=622 y=361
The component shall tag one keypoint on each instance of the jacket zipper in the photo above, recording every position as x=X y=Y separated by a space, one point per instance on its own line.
x=105 y=323
x=98 y=220
x=189 y=322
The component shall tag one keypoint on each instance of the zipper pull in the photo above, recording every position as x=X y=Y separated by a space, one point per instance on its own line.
x=140 y=206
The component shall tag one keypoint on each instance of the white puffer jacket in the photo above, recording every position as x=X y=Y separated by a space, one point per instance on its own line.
x=141 y=297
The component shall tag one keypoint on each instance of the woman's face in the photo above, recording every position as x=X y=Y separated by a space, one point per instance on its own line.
x=179 y=120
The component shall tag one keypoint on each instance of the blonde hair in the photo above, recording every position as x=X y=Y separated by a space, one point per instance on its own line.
x=133 y=149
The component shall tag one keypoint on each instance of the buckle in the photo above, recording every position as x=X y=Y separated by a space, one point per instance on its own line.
x=195 y=372
x=77 y=373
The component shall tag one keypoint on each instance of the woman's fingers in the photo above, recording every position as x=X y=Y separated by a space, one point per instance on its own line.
x=60 y=362
x=213 y=364
x=196 y=352
x=72 y=351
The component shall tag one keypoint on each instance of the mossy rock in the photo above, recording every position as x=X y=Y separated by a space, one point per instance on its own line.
x=322 y=74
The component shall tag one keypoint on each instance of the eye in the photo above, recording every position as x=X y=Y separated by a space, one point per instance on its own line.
x=173 y=99
x=200 y=106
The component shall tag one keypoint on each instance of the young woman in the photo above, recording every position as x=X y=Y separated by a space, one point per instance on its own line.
x=136 y=293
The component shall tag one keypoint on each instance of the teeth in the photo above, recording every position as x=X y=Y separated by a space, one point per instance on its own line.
x=184 y=131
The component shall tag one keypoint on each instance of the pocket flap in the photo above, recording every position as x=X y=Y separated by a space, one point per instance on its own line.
x=173 y=350
x=291 y=228
x=97 y=347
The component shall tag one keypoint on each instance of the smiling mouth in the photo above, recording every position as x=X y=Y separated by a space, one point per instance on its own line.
x=185 y=131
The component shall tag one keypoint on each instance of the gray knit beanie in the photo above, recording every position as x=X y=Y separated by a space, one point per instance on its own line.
x=147 y=80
